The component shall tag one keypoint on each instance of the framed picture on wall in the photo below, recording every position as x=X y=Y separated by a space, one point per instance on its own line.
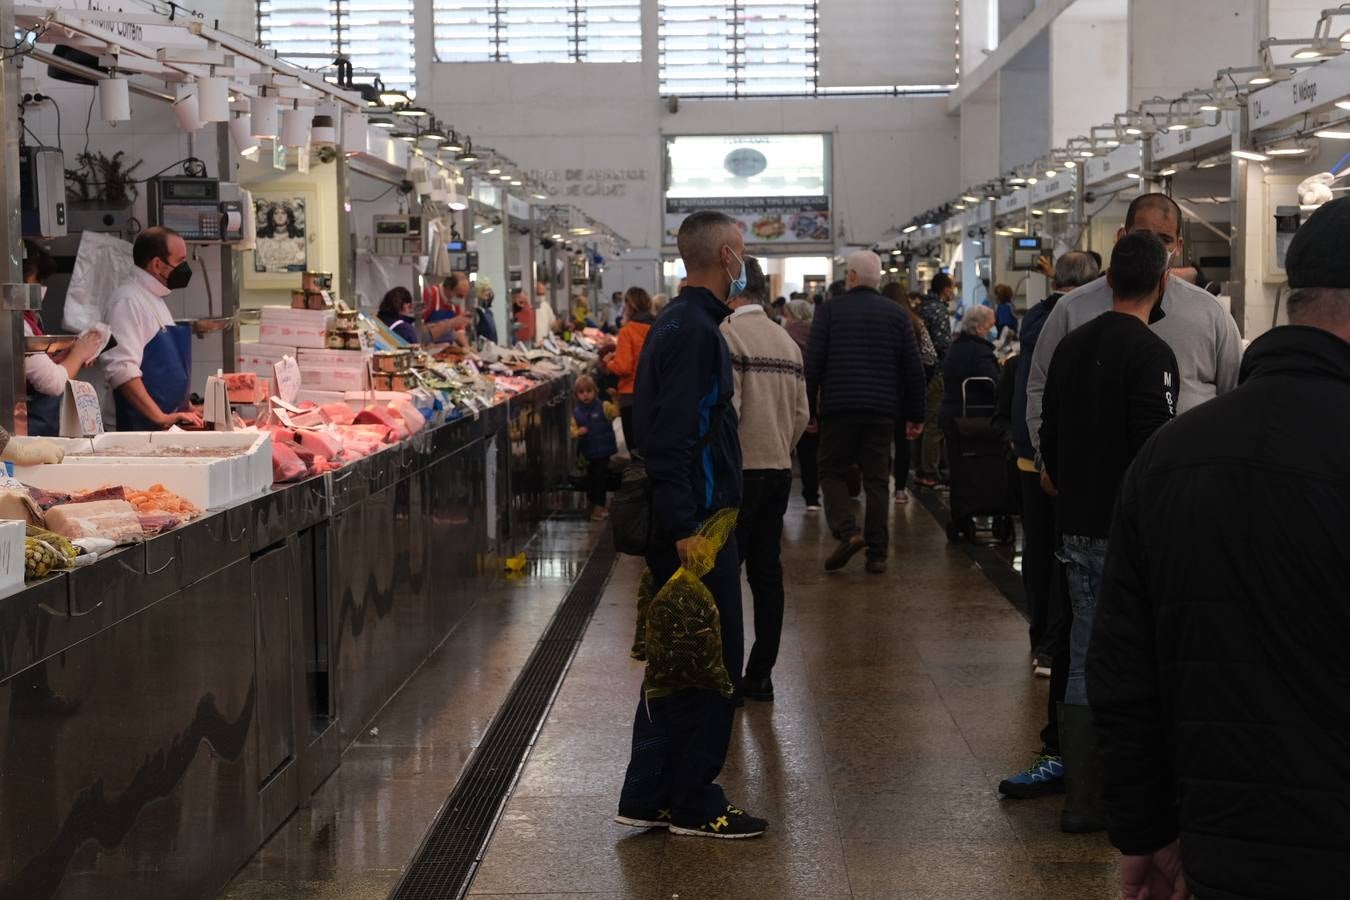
x=282 y=250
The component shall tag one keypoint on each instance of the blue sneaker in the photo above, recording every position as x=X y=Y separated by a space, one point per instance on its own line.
x=1043 y=778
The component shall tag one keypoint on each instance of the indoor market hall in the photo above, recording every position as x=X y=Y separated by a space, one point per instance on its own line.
x=671 y=449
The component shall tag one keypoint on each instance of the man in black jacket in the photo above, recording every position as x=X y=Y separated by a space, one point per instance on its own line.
x=1218 y=668
x=863 y=372
x=687 y=432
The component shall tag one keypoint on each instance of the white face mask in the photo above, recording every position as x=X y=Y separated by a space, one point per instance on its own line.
x=42 y=291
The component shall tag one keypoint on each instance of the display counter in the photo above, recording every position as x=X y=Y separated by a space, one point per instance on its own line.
x=172 y=703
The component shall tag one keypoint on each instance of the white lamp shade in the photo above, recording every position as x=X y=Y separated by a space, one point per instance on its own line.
x=241 y=129
x=263 y=111
x=114 y=99
x=323 y=130
x=213 y=99
x=185 y=108
x=295 y=126
x=354 y=131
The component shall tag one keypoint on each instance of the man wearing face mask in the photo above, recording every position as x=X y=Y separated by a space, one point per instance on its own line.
x=1203 y=336
x=150 y=368
x=686 y=430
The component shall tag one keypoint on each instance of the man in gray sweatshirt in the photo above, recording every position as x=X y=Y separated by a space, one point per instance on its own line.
x=1202 y=335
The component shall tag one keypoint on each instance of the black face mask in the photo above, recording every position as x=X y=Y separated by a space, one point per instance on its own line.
x=179 y=276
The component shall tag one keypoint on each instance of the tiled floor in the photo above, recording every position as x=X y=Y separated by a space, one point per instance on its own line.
x=901 y=701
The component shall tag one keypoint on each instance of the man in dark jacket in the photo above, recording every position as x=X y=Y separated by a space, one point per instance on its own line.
x=687 y=432
x=1218 y=661
x=935 y=310
x=1042 y=575
x=863 y=373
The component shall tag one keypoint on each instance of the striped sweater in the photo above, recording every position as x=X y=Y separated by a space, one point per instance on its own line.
x=770 y=385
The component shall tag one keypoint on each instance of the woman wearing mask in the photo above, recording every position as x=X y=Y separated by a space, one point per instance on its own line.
x=623 y=361
x=797 y=315
x=928 y=355
x=396 y=311
x=46 y=376
x=971 y=356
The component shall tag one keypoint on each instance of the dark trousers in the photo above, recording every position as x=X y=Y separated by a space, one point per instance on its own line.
x=680 y=741
x=1047 y=596
x=759 y=536
x=626 y=419
x=597 y=479
x=865 y=442
x=807 y=450
x=902 y=456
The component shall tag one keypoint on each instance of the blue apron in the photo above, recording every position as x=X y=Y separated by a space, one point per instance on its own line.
x=44 y=413
x=166 y=371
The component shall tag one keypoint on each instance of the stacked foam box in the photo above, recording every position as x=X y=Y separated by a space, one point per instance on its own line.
x=260 y=358
x=285 y=327
x=332 y=370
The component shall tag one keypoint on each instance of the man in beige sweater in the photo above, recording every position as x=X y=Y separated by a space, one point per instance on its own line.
x=770 y=403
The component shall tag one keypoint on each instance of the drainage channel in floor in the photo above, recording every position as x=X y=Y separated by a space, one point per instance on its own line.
x=452 y=849
x=993 y=558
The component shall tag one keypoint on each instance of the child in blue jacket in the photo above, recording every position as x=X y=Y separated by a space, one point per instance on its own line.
x=592 y=425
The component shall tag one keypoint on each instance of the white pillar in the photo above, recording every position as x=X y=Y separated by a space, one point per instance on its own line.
x=1089 y=61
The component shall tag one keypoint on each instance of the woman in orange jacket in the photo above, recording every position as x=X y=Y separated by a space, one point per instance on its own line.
x=623 y=361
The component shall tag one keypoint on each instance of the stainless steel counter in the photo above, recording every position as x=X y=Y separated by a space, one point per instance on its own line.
x=169 y=706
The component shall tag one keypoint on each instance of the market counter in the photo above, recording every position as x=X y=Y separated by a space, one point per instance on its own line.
x=171 y=704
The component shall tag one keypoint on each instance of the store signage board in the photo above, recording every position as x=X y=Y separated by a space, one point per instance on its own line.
x=1017 y=201
x=484 y=192
x=81 y=415
x=763 y=220
x=1171 y=144
x=1050 y=188
x=517 y=208
x=1311 y=89
x=1123 y=159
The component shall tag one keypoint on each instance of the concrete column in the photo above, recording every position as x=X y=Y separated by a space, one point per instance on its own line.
x=1089 y=60
x=980 y=135
x=1024 y=106
x=979 y=32
x=1175 y=47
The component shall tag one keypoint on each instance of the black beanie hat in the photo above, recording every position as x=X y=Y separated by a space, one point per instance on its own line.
x=1319 y=255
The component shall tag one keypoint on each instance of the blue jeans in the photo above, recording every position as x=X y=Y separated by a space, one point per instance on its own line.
x=1084 y=560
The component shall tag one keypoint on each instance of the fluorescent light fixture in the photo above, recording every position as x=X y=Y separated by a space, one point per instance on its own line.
x=452 y=143
x=503 y=177
x=1070 y=164
x=1111 y=142
x=1333 y=134
x=1134 y=176
x=1250 y=155
x=1134 y=130
x=1086 y=154
x=411 y=112
x=970 y=198
x=1168 y=172
x=556 y=237
x=1057 y=211
x=494 y=171
x=1050 y=173
x=516 y=182
x=930 y=224
x=539 y=195
x=1343 y=104
x=382 y=122
x=393 y=98
x=893 y=269
x=958 y=206
x=1017 y=179
x=489 y=229
x=1209 y=107
x=1288 y=151
x=1038 y=212
x=1003 y=233
x=909 y=229
x=1033 y=180
x=1016 y=230
x=1178 y=126
x=457 y=202
x=1259 y=80
x=409 y=136
x=467 y=155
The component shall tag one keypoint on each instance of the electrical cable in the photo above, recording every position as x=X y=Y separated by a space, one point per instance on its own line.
x=88 y=118
x=57 y=107
x=376 y=197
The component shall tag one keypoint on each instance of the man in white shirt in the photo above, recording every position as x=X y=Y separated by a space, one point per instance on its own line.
x=150 y=368
x=771 y=412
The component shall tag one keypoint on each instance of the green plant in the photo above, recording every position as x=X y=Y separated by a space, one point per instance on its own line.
x=105 y=180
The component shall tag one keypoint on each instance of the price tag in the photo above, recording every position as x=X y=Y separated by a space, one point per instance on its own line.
x=216 y=410
x=81 y=415
x=288 y=379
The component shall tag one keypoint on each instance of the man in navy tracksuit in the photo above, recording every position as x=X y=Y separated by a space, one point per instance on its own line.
x=687 y=432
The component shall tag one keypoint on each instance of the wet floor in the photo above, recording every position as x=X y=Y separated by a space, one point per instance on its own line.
x=902 y=700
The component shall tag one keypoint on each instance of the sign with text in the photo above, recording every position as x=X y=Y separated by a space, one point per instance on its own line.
x=81 y=415
x=762 y=220
x=288 y=379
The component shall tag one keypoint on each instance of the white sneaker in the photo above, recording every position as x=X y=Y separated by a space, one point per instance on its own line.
x=813 y=507
x=902 y=497
x=1039 y=669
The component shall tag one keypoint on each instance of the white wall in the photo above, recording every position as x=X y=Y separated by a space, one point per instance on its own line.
x=1088 y=70
x=893 y=157
x=1178 y=46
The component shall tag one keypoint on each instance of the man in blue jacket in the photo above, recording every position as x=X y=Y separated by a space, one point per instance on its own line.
x=687 y=433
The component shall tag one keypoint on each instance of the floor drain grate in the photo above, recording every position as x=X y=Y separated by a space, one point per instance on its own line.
x=452 y=849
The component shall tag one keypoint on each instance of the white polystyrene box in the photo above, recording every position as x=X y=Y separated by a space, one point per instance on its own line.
x=11 y=553
x=207 y=482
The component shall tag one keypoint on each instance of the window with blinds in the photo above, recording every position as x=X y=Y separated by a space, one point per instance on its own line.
x=538 y=31
x=377 y=35
x=738 y=48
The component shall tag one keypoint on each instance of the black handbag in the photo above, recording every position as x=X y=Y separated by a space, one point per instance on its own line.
x=630 y=509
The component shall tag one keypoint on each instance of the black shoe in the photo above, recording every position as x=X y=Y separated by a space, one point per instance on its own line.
x=732 y=824
x=876 y=566
x=848 y=548
x=758 y=688
x=737 y=698
x=649 y=818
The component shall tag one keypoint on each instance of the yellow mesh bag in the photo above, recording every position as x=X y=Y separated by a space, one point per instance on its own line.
x=683 y=629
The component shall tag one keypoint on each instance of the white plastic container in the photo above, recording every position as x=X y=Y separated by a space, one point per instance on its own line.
x=11 y=553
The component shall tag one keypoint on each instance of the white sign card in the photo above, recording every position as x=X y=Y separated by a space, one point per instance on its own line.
x=81 y=415
x=288 y=379
x=216 y=411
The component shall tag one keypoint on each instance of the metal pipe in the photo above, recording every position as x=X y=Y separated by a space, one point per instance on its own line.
x=83 y=71
x=1195 y=216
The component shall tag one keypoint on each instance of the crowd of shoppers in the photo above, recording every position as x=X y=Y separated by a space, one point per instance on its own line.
x=1183 y=578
